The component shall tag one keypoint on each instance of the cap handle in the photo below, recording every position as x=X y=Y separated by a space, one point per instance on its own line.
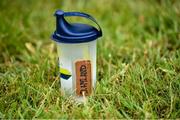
x=80 y=14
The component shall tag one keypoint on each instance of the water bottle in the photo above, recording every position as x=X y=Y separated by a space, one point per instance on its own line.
x=76 y=46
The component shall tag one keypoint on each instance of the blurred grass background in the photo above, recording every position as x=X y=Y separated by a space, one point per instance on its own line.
x=138 y=60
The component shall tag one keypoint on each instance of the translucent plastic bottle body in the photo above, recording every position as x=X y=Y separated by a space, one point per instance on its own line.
x=69 y=55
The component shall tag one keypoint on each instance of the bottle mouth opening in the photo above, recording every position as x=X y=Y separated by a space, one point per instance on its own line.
x=58 y=13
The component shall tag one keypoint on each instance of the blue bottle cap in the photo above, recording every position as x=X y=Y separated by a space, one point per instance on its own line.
x=74 y=32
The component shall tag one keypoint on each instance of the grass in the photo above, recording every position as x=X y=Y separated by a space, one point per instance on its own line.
x=138 y=60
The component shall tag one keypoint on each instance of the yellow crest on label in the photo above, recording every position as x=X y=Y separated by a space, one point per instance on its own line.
x=64 y=73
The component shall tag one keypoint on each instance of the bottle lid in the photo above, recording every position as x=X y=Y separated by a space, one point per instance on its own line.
x=74 y=32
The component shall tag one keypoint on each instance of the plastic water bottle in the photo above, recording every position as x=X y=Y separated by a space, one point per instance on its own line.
x=76 y=46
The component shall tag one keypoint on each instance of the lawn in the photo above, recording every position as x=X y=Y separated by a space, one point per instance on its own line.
x=138 y=60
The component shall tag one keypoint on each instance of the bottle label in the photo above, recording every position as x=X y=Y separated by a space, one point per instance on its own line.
x=83 y=77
